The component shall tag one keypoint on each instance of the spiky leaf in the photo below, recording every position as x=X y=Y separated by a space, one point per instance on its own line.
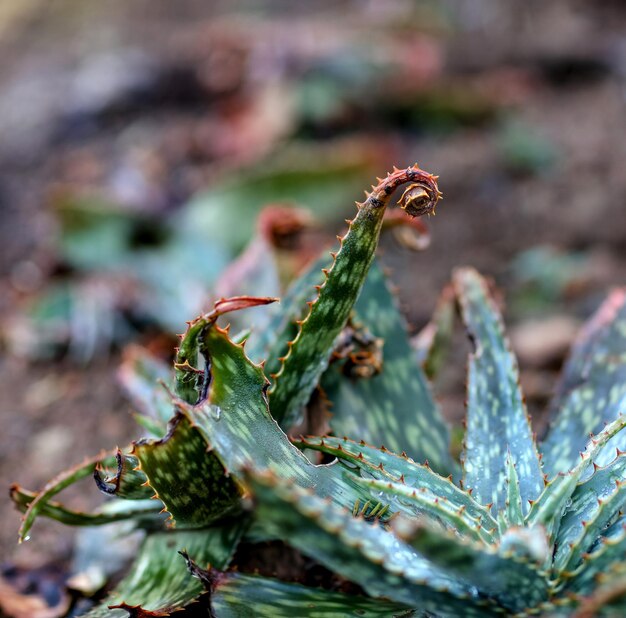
x=381 y=563
x=497 y=421
x=159 y=582
x=595 y=503
x=422 y=502
x=127 y=481
x=513 y=511
x=609 y=550
x=309 y=353
x=235 y=423
x=501 y=576
x=384 y=466
x=189 y=481
x=548 y=509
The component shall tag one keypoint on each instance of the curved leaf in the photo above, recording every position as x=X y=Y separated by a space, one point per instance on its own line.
x=159 y=582
x=422 y=502
x=128 y=481
x=308 y=354
x=58 y=484
x=110 y=513
x=235 y=423
x=548 y=509
x=609 y=550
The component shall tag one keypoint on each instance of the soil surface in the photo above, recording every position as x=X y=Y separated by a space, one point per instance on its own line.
x=529 y=148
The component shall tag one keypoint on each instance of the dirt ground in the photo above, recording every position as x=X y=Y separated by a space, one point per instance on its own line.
x=547 y=168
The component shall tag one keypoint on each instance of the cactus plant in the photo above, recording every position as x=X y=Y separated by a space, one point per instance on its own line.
x=514 y=528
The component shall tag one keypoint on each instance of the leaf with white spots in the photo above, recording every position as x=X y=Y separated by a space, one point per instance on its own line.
x=497 y=421
x=500 y=576
x=548 y=509
x=383 y=465
x=607 y=551
x=513 y=512
x=190 y=482
x=235 y=423
x=309 y=353
x=423 y=502
x=594 y=505
x=393 y=407
x=366 y=554
x=159 y=582
x=592 y=390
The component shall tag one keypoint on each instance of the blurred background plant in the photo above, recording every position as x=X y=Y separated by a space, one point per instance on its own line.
x=138 y=142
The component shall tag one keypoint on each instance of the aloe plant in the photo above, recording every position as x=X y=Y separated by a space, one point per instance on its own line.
x=514 y=528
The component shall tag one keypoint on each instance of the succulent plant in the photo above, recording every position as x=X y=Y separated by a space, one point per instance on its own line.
x=514 y=528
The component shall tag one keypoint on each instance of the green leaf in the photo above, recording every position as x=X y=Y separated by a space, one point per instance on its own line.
x=58 y=484
x=159 y=580
x=513 y=511
x=394 y=407
x=592 y=391
x=366 y=554
x=189 y=481
x=501 y=577
x=237 y=596
x=383 y=465
x=422 y=502
x=128 y=481
x=189 y=378
x=609 y=551
x=497 y=421
x=235 y=423
x=309 y=353
x=595 y=503
x=548 y=509
x=608 y=597
x=192 y=372
x=115 y=511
